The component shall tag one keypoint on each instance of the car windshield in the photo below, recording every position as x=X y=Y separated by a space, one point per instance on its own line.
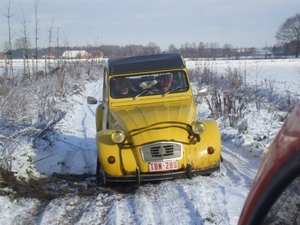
x=148 y=84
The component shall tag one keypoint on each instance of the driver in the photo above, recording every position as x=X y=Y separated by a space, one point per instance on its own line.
x=164 y=84
x=121 y=88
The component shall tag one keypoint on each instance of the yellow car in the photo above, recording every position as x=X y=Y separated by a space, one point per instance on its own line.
x=147 y=124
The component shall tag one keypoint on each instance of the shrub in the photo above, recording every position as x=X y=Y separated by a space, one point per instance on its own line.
x=229 y=95
x=226 y=93
x=29 y=103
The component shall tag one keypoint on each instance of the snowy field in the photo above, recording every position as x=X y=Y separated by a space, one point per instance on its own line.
x=284 y=73
x=217 y=199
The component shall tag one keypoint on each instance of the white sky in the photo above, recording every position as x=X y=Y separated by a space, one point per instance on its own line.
x=247 y=23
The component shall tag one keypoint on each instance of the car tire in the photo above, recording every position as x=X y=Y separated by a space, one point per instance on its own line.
x=100 y=174
x=189 y=171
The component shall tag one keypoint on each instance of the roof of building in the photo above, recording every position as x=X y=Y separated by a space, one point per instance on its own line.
x=145 y=63
x=73 y=54
x=262 y=52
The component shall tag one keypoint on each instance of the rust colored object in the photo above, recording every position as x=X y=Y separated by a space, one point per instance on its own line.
x=280 y=166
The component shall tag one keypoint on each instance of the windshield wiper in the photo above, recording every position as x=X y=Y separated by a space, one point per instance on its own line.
x=143 y=92
x=175 y=89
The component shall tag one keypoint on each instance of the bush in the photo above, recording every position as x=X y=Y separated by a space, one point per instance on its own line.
x=229 y=95
x=226 y=93
x=29 y=103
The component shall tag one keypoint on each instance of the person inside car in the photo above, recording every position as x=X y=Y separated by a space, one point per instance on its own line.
x=121 y=88
x=165 y=83
x=139 y=84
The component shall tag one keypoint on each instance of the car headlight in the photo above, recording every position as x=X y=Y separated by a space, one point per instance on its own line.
x=118 y=136
x=198 y=127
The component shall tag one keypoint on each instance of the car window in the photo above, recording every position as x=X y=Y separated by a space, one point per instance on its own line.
x=149 y=84
x=286 y=208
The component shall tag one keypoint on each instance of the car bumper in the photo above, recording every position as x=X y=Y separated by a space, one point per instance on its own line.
x=160 y=176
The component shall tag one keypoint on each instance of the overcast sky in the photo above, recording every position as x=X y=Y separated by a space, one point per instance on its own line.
x=240 y=23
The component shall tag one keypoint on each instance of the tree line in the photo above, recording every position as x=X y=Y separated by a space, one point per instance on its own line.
x=288 y=37
x=187 y=50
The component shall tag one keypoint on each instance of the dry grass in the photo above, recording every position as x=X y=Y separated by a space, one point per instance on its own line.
x=29 y=103
x=230 y=96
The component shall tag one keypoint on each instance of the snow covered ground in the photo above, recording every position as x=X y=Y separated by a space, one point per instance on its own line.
x=215 y=199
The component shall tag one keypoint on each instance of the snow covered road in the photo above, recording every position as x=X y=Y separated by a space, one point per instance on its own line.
x=215 y=199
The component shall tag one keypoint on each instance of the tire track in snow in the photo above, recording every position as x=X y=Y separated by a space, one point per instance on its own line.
x=205 y=197
x=196 y=201
x=240 y=170
x=64 y=210
x=200 y=200
x=81 y=143
x=89 y=126
x=163 y=203
x=129 y=209
x=169 y=203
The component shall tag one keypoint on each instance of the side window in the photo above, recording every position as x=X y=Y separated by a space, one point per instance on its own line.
x=105 y=87
x=122 y=87
x=179 y=78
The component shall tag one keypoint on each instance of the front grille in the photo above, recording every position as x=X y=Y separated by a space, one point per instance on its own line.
x=161 y=151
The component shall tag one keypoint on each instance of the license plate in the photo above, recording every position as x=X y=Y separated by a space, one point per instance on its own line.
x=162 y=166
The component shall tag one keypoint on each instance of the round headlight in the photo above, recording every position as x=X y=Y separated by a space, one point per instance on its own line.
x=118 y=136
x=198 y=127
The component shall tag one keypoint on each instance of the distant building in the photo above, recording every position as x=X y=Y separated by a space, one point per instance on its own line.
x=262 y=54
x=75 y=55
x=48 y=56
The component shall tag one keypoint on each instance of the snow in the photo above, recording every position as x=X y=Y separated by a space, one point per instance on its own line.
x=215 y=199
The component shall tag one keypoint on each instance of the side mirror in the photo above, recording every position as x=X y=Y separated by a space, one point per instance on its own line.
x=203 y=92
x=91 y=100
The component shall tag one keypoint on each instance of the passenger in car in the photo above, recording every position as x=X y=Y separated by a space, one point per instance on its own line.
x=165 y=81
x=165 y=84
x=139 y=84
x=121 y=88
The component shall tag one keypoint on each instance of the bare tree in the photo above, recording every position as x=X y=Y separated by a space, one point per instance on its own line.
x=48 y=55
x=172 y=49
x=153 y=48
x=188 y=50
x=227 y=50
x=202 y=51
x=66 y=42
x=24 y=42
x=57 y=45
x=8 y=51
x=214 y=49
x=289 y=32
x=36 y=4
x=193 y=50
x=6 y=45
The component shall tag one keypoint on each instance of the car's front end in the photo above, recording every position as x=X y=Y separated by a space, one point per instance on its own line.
x=148 y=127
x=158 y=141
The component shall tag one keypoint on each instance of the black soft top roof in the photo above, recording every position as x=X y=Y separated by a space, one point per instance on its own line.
x=145 y=63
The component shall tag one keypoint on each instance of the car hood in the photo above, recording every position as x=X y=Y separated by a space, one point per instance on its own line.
x=159 y=120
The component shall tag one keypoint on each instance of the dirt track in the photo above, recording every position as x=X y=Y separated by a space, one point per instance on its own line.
x=56 y=186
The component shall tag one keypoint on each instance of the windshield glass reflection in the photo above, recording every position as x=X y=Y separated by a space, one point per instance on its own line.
x=286 y=210
x=148 y=84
